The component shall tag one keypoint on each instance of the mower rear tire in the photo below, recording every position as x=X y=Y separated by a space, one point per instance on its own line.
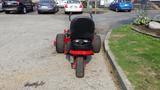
x=96 y=43
x=80 y=67
x=60 y=43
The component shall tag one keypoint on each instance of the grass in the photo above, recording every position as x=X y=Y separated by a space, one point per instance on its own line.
x=139 y=57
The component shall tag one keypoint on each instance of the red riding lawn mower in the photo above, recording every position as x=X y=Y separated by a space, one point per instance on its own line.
x=79 y=42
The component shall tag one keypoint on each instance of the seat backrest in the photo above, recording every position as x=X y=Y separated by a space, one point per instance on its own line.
x=82 y=28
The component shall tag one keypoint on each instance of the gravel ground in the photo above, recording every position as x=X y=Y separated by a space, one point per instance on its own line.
x=28 y=61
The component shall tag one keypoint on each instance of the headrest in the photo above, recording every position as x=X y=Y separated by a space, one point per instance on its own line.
x=82 y=27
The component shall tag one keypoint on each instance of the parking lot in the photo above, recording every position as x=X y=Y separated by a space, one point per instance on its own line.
x=29 y=60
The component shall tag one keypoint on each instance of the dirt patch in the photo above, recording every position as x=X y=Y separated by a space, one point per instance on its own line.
x=146 y=30
x=98 y=12
x=118 y=36
x=139 y=50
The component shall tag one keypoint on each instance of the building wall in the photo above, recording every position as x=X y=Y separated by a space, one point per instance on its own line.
x=34 y=1
x=108 y=2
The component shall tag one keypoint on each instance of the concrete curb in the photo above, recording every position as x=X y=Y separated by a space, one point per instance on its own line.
x=122 y=78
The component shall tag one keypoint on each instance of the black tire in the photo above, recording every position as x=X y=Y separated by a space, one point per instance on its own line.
x=117 y=10
x=96 y=43
x=32 y=9
x=7 y=12
x=129 y=10
x=80 y=67
x=66 y=12
x=60 y=43
x=81 y=12
x=39 y=12
x=24 y=10
x=57 y=9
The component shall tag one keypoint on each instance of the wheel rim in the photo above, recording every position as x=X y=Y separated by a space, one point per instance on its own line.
x=24 y=10
x=116 y=10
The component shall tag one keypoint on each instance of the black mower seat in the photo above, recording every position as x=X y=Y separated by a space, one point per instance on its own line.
x=82 y=28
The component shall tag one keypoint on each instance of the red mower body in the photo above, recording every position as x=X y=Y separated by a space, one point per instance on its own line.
x=79 y=42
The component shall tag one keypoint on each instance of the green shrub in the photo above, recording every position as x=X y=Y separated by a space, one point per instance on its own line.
x=142 y=18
